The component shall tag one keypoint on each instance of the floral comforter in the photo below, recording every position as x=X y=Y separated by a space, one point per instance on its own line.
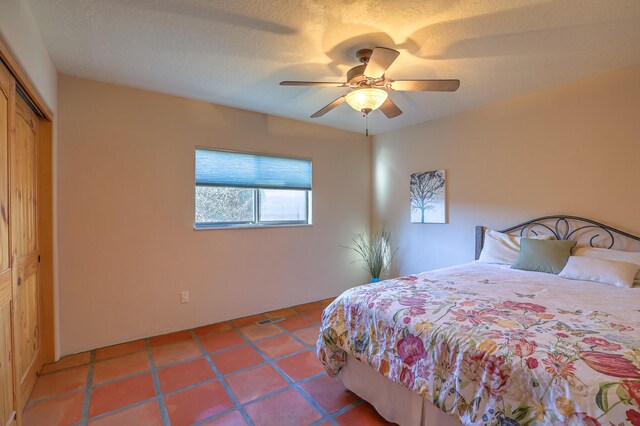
x=495 y=346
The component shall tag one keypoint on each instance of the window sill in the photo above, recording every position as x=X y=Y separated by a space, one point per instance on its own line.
x=253 y=226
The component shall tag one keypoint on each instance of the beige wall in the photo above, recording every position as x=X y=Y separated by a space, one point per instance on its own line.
x=574 y=149
x=126 y=208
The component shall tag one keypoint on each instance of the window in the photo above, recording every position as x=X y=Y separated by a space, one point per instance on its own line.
x=236 y=189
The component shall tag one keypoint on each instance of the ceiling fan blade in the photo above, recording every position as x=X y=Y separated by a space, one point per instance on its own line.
x=390 y=109
x=425 y=85
x=330 y=106
x=381 y=59
x=312 y=83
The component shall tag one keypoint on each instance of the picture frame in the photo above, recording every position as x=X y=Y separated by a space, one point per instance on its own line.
x=428 y=192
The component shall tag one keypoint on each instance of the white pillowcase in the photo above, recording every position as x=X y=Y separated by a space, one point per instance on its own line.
x=619 y=274
x=502 y=248
x=608 y=254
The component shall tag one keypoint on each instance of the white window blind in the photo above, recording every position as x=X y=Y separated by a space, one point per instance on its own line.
x=233 y=169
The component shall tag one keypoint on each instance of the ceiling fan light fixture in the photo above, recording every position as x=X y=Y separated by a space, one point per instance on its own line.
x=366 y=100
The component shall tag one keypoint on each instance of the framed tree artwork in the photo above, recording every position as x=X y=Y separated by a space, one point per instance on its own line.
x=428 y=197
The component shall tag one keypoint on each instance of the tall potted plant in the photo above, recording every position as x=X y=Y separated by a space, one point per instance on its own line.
x=375 y=251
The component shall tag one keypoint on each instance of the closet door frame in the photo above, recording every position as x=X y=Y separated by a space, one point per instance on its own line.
x=44 y=142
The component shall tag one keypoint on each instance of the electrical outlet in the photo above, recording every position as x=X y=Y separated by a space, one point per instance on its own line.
x=184 y=297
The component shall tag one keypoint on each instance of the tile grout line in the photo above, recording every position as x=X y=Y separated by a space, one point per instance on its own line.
x=56 y=396
x=292 y=335
x=125 y=353
x=123 y=408
x=223 y=381
x=217 y=416
x=253 y=401
x=164 y=414
x=237 y=405
x=293 y=384
x=325 y=416
x=88 y=389
x=122 y=355
x=330 y=416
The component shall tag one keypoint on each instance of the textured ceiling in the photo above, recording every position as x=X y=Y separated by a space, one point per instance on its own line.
x=235 y=52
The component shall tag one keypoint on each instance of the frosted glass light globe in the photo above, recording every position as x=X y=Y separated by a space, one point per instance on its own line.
x=366 y=100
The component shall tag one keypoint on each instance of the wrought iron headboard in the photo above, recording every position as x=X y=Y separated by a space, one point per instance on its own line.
x=564 y=228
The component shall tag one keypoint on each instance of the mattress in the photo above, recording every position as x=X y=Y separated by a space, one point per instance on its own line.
x=486 y=344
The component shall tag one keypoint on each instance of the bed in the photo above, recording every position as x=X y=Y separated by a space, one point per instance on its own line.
x=484 y=344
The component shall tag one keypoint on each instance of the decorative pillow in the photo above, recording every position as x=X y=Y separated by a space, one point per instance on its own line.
x=619 y=274
x=614 y=255
x=543 y=256
x=502 y=248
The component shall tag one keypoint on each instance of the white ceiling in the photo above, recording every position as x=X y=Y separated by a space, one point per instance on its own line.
x=235 y=52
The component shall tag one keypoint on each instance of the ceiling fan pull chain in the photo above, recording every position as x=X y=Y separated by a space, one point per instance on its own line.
x=366 y=124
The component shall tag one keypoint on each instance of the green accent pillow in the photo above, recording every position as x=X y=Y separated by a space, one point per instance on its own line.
x=548 y=256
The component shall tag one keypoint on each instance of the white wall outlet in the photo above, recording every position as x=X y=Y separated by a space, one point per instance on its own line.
x=184 y=297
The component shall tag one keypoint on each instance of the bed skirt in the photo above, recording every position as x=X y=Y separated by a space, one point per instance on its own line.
x=393 y=401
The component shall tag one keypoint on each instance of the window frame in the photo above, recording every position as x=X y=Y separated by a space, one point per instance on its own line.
x=257 y=223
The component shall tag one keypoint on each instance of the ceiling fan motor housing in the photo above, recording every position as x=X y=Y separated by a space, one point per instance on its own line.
x=356 y=74
x=364 y=55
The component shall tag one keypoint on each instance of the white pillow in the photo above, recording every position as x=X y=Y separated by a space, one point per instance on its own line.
x=502 y=248
x=619 y=274
x=608 y=254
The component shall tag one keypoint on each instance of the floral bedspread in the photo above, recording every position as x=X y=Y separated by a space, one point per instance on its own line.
x=495 y=346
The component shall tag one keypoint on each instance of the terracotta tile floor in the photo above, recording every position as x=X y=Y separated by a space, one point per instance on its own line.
x=231 y=373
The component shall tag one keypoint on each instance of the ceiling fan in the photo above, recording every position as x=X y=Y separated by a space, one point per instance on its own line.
x=371 y=85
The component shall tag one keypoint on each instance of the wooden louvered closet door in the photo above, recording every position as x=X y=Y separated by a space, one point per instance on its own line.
x=24 y=249
x=7 y=111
